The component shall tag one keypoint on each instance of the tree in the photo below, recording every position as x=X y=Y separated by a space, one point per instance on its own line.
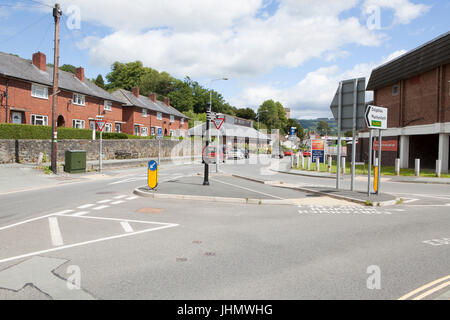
x=272 y=114
x=125 y=75
x=323 y=128
x=181 y=97
x=99 y=81
x=246 y=113
x=68 y=68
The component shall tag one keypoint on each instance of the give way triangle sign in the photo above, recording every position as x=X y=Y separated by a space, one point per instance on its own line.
x=100 y=124
x=218 y=122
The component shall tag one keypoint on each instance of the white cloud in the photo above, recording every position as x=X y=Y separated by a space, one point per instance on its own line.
x=210 y=38
x=404 y=10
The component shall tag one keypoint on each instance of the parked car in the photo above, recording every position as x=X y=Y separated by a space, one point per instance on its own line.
x=211 y=156
x=307 y=154
x=236 y=154
x=288 y=153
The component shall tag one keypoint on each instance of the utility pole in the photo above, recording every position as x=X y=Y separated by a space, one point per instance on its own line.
x=56 y=15
x=206 y=174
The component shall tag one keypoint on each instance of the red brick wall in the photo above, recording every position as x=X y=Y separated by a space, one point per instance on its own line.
x=20 y=97
x=417 y=102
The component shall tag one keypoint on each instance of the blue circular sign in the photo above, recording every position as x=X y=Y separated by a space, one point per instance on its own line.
x=152 y=165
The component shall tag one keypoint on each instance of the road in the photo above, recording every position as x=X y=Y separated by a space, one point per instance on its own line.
x=95 y=239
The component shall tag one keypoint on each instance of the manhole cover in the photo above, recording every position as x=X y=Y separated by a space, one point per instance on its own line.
x=149 y=210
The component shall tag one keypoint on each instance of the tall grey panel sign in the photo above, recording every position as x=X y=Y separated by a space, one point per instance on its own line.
x=348 y=90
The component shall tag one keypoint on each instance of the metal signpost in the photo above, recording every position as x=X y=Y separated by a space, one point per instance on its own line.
x=152 y=175
x=159 y=137
x=348 y=107
x=100 y=125
x=209 y=116
x=376 y=118
x=218 y=121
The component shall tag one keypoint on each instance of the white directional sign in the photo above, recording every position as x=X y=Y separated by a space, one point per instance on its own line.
x=376 y=117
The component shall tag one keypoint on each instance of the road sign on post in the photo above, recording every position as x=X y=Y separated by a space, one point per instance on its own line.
x=348 y=108
x=100 y=124
x=376 y=117
x=218 y=122
x=152 y=176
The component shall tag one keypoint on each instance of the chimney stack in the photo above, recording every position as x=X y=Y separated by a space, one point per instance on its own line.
x=167 y=101
x=135 y=91
x=40 y=61
x=153 y=97
x=79 y=73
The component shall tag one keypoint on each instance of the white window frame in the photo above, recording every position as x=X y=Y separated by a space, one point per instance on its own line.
x=144 y=113
x=108 y=127
x=172 y=118
x=153 y=131
x=42 y=118
x=144 y=131
x=138 y=130
x=159 y=116
x=79 y=99
x=182 y=121
x=75 y=122
x=118 y=125
x=35 y=89
x=107 y=105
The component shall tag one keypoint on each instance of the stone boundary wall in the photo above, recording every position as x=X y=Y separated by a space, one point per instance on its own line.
x=27 y=151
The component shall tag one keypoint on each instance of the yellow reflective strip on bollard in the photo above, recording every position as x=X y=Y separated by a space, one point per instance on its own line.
x=375 y=180
x=152 y=177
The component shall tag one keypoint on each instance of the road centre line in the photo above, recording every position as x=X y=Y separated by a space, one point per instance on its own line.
x=120 y=196
x=100 y=207
x=263 y=193
x=424 y=287
x=55 y=232
x=104 y=201
x=117 y=202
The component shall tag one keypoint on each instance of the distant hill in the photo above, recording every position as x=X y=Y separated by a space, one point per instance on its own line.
x=311 y=124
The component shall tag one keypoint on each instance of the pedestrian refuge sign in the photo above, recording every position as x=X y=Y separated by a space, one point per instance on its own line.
x=152 y=177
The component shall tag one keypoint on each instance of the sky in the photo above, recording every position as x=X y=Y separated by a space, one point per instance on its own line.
x=292 y=51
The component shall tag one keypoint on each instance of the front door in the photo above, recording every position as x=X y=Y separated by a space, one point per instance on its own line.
x=16 y=117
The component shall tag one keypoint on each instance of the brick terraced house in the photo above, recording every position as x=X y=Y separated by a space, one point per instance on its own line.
x=145 y=115
x=415 y=88
x=26 y=96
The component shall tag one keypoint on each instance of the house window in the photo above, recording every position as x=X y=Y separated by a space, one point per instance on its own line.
x=144 y=113
x=144 y=131
x=136 y=130
x=107 y=105
x=92 y=125
x=79 y=99
x=395 y=90
x=39 y=120
x=152 y=131
x=182 y=121
x=118 y=127
x=38 y=91
x=172 y=133
x=108 y=127
x=79 y=124
x=158 y=116
x=172 y=118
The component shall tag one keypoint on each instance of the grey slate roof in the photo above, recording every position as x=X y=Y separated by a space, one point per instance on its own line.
x=422 y=59
x=129 y=99
x=23 y=69
x=229 y=130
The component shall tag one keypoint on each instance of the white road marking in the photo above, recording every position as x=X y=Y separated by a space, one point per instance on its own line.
x=63 y=212
x=55 y=232
x=120 y=196
x=104 y=201
x=132 y=197
x=126 y=226
x=80 y=213
x=163 y=226
x=117 y=202
x=234 y=185
x=100 y=207
x=84 y=206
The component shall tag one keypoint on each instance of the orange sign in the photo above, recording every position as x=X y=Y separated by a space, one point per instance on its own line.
x=386 y=145
x=317 y=145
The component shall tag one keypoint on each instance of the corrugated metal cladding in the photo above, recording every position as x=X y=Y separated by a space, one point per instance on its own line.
x=420 y=60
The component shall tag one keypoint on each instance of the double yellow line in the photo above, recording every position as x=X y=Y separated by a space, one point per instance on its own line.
x=427 y=289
